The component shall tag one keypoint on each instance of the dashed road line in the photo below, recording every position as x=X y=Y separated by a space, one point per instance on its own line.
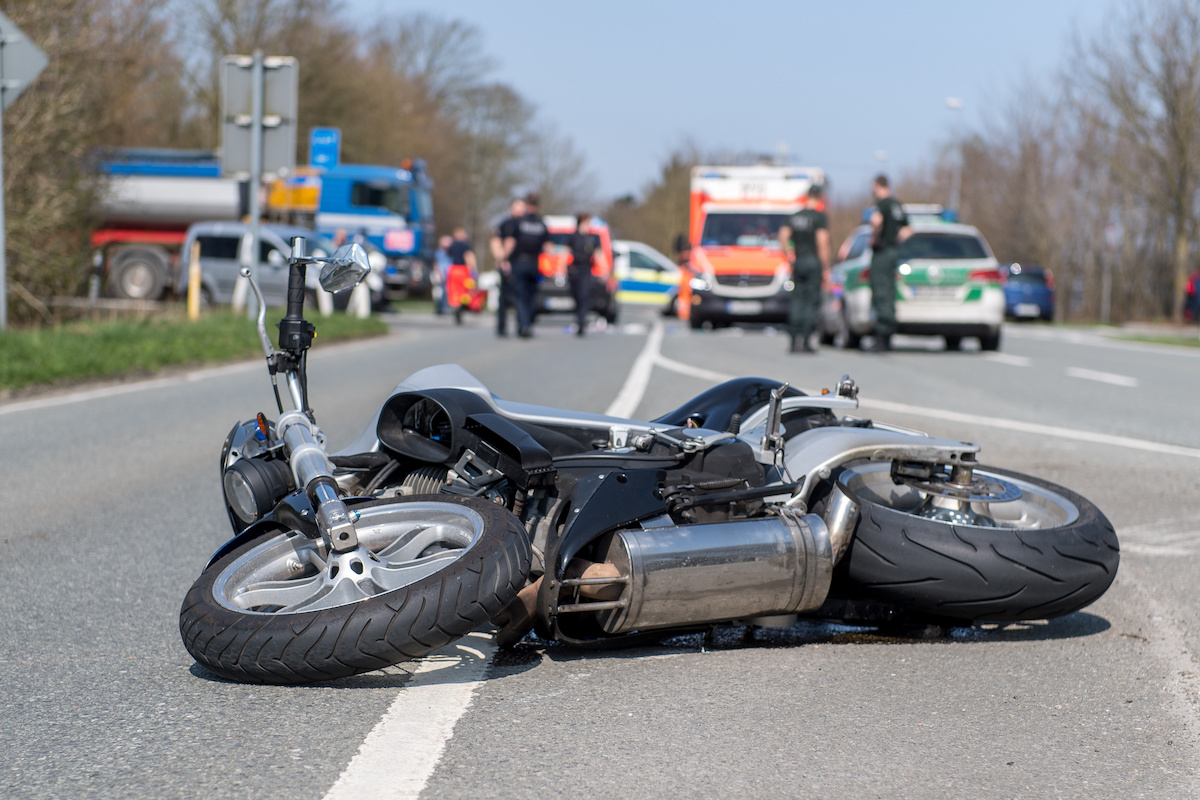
x=1006 y=358
x=1102 y=377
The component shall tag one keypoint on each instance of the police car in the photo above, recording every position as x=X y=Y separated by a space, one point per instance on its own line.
x=644 y=275
x=948 y=284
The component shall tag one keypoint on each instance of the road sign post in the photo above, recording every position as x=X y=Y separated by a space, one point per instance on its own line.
x=259 y=100
x=20 y=62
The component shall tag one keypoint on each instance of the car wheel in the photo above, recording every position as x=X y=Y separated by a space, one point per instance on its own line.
x=953 y=342
x=990 y=341
x=846 y=338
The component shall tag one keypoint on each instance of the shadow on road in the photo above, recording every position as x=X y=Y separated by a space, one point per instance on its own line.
x=532 y=650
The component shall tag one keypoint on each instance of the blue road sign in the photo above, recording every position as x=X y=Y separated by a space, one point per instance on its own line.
x=324 y=147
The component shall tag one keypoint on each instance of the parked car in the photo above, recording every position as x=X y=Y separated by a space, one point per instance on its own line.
x=1028 y=292
x=948 y=284
x=222 y=245
x=554 y=292
x=644 y=275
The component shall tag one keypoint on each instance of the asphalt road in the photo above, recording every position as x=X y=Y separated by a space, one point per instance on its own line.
x=113 y=506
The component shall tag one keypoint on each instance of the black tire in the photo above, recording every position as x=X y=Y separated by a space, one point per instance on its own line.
x=696 y=322
x=462 y=588
x=850 y=339
x=990 y=342
x=612 y=312
x=139 y=273
x=979 y=573
x=953 y=342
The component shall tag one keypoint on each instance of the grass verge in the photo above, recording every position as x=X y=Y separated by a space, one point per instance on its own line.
x=93 y=350
x=1180 y=341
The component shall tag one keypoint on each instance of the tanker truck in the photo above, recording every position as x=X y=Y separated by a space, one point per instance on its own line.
x=152 y=196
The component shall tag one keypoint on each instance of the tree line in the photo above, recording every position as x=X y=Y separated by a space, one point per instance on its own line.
x=1092 y=172
x=145 y=73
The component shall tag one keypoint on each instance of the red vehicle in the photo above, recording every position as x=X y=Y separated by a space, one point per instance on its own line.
x=736 y=271
x=554 y=292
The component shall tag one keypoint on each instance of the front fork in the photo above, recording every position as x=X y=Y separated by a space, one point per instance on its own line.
x=313 y=472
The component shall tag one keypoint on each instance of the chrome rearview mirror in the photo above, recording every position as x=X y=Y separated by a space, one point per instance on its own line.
x=346 y=269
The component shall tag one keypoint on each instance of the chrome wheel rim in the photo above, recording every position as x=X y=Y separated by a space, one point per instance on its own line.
x=399 y=545
x=1010 y=502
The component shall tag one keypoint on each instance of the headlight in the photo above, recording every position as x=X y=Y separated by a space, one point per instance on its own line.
x=788 y=285
x=253 y=486
x=699 y=285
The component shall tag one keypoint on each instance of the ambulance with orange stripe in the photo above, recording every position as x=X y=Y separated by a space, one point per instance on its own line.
x=736 y=271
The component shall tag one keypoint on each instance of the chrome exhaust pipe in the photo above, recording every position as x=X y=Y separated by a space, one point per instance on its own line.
x=683 y=575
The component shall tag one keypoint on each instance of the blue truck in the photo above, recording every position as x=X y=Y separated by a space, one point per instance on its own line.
x=390 y=208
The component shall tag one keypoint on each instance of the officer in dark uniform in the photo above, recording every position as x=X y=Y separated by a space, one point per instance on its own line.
x=890 y=225
x=583 y=244
x=805 y=240
x=505 y=230
x=528 y=240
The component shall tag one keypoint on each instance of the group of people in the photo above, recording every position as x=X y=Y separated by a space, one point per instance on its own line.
x=516 y=246
x=805 y=240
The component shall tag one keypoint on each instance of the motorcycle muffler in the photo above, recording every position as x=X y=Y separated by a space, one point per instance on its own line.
x=680 y=575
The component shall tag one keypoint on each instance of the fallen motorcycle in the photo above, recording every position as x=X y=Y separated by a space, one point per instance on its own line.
x=751 y=504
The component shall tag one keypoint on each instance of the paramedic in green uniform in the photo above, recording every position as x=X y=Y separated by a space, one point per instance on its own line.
x=890 y=225
x=806 y=236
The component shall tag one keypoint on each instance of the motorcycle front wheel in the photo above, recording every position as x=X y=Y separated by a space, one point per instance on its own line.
x=282 y=609
x=1010 y=547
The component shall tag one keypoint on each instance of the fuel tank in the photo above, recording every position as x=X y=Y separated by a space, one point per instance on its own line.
x=680 y=575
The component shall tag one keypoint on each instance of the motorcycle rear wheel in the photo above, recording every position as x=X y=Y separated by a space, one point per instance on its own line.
x=280 y=610
x=1044 y=553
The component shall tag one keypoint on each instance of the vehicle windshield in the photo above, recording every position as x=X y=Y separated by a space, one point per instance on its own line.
x=1027 y=276
x=743 y=229
x=942 y=246
x=381 y=195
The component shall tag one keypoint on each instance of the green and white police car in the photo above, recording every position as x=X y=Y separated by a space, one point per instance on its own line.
x=948 y=284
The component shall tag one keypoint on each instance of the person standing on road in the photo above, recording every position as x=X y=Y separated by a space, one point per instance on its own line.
x=504 y=231
x=441 y=271
x=523 y=247
x=461 y=274
x=584 y=245
x=890 y=227
x=805 y=242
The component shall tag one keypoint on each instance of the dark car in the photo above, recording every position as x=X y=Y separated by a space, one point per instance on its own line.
x=1028 y=292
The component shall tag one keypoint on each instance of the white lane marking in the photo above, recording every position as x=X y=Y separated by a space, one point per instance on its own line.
x=687 y=369
x=627 y=400
x=1036 y=428
x=1169 y=537
x=1102 y=377
x=1011 y=360
x=400 y=753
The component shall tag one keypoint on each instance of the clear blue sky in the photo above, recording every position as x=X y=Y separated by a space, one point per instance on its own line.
x=839 y=81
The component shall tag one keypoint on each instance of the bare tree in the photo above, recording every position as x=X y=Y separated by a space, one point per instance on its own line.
x=555 y=169
x=1146 y=73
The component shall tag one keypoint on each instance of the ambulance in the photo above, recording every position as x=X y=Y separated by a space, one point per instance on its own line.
x=736 y=271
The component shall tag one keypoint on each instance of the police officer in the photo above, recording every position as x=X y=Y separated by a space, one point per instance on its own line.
x=805 y=240
x=505 y=230
x=890 y=228
x=527 y=240
x=583 y=244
